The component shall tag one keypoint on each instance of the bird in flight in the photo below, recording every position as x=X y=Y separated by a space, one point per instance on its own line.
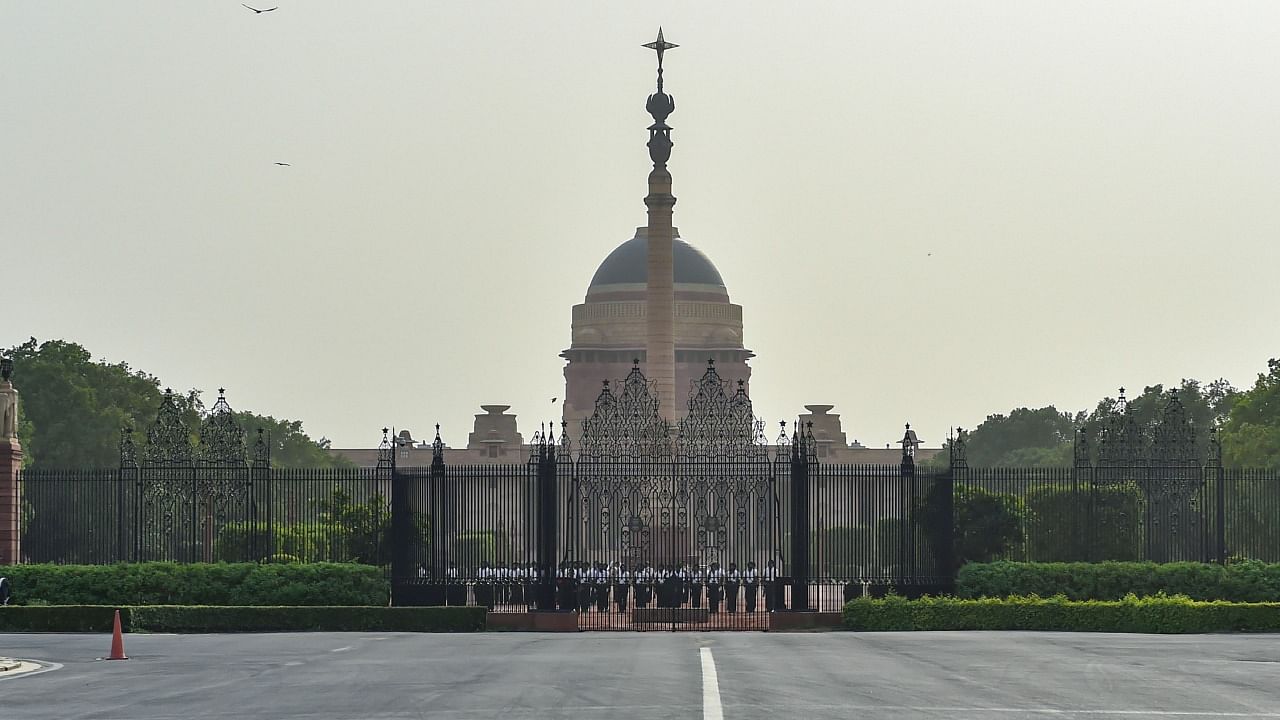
x=259 y=12
x=284 y=164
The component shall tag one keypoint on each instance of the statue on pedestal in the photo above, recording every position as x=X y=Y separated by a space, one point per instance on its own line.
x=8 y=401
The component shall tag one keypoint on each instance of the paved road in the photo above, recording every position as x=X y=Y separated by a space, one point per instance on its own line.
x=648 y=675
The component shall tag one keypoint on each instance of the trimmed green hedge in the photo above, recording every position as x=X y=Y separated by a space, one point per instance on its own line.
x=234 y=618
x=1247 y=581
x=199 y=584
x=1160 y=614
x=61 y=618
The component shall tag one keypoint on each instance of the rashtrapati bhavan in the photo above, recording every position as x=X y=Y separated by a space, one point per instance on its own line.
x=658 y=302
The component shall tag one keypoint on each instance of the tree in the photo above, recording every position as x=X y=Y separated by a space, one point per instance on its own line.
x=1206 y=406
x=1024 y=438
x=1251 y=434
x=290 y=445
x=73 y=408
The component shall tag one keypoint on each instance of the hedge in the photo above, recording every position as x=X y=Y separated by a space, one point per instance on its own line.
x=1159 y=614
x=61 y=618
x=239 y=618
x=198 y=584
x=1246 y=581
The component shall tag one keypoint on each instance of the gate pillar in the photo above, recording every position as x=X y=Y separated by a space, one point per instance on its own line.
x=547 y=483
x=803 y=459
x=10 y=464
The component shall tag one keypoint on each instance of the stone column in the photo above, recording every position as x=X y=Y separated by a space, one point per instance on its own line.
x=660 y=297
x=10 y=463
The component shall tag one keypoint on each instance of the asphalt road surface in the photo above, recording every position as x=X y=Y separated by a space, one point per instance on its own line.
x=618 y=676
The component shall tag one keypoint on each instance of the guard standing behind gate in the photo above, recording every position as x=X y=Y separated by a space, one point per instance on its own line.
x=750 y=585
x=620 y=586
x=715 y=582
x=732 y=580
x=772 y=588
x=602 y=588
x=455 y=593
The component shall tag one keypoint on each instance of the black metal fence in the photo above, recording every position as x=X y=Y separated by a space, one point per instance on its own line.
x=1207 y=514
x=206 y=514
x=701 y=524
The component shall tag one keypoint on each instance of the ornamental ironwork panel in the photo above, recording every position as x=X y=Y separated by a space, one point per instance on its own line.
x=641 y=499
x=1147 y=483
x=221 y=437
x=169 y=438
x=195 y=501
x=719 y=424
x=627 y=424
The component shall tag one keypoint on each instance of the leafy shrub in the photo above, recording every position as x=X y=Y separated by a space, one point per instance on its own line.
x=1246 y=581
x=306 y=542
x=1101 y=524
x=1157 y=614
x=471 y=548
x=200 y=584
x=986 y=525
x=845 y=552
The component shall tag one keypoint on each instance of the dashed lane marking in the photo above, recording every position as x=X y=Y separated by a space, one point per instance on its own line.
x=711 y=708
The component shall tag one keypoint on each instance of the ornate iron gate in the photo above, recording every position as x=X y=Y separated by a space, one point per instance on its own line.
x=671 y=529
x=185 y=499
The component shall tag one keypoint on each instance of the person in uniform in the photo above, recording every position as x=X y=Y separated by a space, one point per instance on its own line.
x=715 y=579
x=564 y=596
x=531 y=577
x=516 y=582
x=732 y=581
x=585 y=586
x=500 y=587
x=697 y=579
x=455 y=592
x=686 y=582
x=602 y=588
x=484 y=585
x=750 y=585
x=772 y=588
x=643 y=589
x=621 y=586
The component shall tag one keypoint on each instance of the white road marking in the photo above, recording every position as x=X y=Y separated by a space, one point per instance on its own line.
x=1065 y=712
x=711 y=709
x=342 y=649
x=46 y=667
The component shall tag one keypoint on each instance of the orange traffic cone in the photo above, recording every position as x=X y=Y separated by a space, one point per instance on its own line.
x=117 y=642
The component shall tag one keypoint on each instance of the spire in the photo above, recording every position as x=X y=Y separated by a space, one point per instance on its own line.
x=660 y=346
x=660 y=105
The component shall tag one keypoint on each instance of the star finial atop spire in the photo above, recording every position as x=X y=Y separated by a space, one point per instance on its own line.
x=660 y=46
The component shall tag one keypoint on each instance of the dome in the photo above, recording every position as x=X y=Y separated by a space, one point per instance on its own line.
x=629 y=263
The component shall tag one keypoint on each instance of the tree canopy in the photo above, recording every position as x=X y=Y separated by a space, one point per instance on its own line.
x=73 y=409
x=1043 y=437
x=1251 y=436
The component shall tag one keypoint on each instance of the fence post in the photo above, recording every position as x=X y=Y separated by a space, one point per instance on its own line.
x=401 y=521
x=440 y=508
x=801 y=449
x=547 y=481
x=1220 y=492
x=957 y=473
x=1082 y=530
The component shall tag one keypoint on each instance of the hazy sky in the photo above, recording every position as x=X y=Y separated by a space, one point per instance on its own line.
x=928 y=211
